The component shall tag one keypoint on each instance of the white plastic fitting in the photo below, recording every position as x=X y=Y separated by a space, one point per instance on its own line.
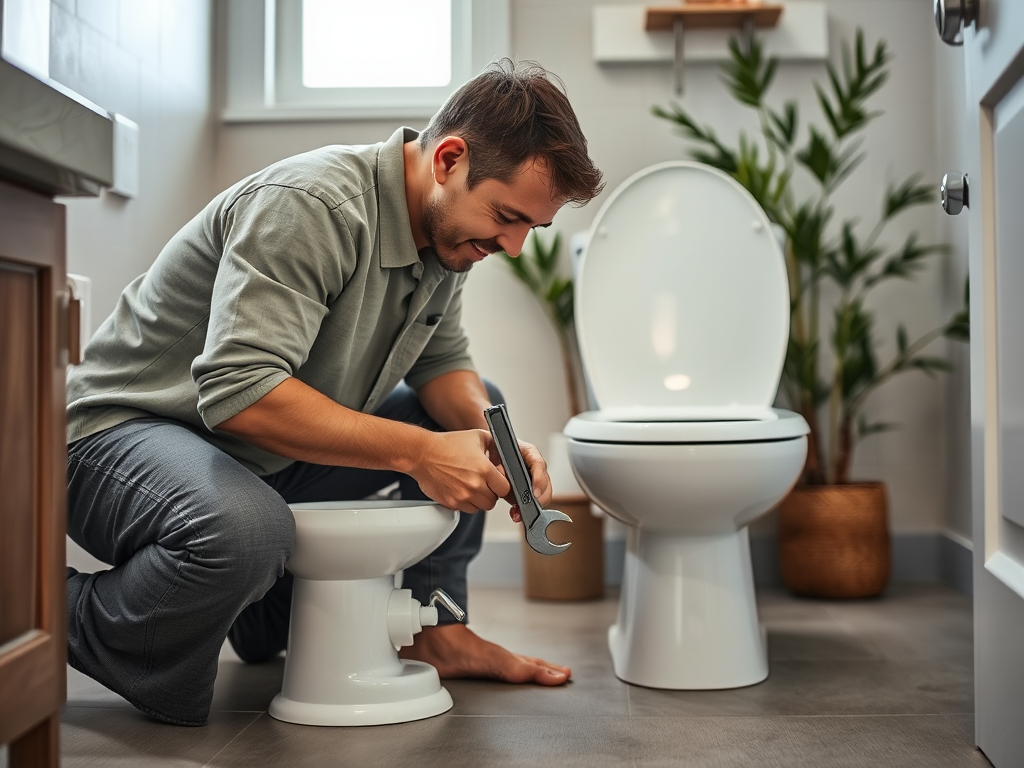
x=407 y=616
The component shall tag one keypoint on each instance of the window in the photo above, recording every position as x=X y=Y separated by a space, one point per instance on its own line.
x=356 y=44
x=338 y=59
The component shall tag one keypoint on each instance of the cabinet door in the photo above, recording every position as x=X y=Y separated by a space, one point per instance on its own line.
x=33 y=359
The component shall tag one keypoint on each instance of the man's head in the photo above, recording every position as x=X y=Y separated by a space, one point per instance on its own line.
x=506 y=152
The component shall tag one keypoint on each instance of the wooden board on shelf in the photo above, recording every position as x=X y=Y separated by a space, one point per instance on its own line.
x=711 y=16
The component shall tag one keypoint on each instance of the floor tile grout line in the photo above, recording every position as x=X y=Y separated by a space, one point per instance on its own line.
x=241 y=711
x=716 y=716
x=233 y=739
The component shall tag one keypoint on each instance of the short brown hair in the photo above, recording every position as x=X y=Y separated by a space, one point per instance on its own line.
x=511 y=112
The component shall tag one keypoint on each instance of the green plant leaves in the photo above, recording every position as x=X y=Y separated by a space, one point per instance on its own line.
x=853 y=346
x=713 y=153
x=805 y=228
x=801 y=368
x=910 y=193
x=766 y=182
x=829 y=164
x=782 y=128
x=849 y=263
x=845 y=107
x=908 y=260
x=748 y=75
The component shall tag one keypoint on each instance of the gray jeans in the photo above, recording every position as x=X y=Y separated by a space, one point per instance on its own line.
x=197 y=545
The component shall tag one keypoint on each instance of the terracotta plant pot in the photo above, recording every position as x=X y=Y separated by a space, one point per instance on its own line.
x=578 y=572
x=834 y=540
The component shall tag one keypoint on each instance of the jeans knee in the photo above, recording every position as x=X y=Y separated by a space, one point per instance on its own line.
x=493 y=392
x=251 y=536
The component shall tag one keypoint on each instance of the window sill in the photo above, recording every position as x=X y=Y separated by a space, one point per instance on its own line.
x=323 y=114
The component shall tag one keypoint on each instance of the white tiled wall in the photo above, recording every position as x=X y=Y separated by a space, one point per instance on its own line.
x=149 y=60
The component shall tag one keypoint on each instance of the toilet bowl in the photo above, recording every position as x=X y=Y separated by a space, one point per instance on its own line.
x=682 y=313
x=348 y=619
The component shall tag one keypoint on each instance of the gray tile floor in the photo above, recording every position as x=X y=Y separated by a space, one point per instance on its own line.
x=884 y=682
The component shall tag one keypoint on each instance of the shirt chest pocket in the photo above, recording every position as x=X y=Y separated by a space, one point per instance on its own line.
x=418 y=335
x=402 y=358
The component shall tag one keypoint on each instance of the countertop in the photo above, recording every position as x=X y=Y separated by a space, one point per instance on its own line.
x=51 y=139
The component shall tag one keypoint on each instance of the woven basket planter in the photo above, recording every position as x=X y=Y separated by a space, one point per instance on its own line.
x=834 y=540
x=578 y=572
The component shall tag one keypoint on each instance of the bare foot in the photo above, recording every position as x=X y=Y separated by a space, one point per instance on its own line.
x=454 y=650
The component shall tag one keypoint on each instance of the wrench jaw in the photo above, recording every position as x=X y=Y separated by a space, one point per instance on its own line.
x=537 y=537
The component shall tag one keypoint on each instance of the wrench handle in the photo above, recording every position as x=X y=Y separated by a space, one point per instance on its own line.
x=512 y=459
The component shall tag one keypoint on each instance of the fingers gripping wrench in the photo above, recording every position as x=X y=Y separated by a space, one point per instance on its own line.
x=535 y=519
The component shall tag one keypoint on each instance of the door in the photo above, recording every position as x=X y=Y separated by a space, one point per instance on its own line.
x=994 y=194
x=33 y=359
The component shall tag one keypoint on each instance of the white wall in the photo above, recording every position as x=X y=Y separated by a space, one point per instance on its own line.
x=613 y=104
x=150 y=61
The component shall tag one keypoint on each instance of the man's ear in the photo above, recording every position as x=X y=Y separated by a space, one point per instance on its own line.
x=450 y=158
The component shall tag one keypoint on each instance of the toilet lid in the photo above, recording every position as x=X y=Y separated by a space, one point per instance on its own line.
x=682 y=298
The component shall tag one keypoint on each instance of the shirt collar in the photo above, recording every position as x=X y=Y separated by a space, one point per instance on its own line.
x=397 y=247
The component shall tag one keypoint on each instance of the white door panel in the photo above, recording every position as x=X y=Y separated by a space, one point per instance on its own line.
x=994 y=60
x=1008 y=179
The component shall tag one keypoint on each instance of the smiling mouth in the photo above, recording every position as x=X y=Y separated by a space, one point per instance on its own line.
x=479 y=250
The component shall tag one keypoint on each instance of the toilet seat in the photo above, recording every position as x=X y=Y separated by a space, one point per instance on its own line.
x=645 y=425
x=682 y=295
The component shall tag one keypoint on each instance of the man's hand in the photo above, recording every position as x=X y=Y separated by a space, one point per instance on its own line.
x=538 y=469
x=457 y=473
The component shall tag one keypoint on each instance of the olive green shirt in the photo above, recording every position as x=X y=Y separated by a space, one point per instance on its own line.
x=306 y=269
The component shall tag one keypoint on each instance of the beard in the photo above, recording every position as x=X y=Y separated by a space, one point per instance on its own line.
x=445 y=239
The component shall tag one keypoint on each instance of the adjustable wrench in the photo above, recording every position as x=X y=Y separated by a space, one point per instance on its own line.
x=535 y=519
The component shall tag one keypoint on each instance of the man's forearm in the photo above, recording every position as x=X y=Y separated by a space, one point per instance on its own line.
x=296 y=421
x=456 y=400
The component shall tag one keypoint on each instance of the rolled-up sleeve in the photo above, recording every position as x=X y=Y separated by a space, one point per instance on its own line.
x=448 y=348
x=282 y=263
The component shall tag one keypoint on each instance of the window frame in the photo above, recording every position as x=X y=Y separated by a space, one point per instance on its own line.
x=263 y=66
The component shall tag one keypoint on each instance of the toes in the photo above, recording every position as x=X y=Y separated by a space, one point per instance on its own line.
x=533 y=671
x=548 y=665
x=548 y=676
x=524 y=670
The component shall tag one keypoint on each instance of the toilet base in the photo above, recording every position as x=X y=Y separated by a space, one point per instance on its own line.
x=687 y=615
x=414 y=676
x=342 y=668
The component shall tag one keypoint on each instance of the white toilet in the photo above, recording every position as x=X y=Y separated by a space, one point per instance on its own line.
x=348 y=620
x=682 y=312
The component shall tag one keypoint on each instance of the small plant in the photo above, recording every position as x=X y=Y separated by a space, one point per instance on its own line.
x=539 y=269
x=818 y=251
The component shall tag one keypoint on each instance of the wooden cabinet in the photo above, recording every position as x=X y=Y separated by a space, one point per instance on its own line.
x=33 y=360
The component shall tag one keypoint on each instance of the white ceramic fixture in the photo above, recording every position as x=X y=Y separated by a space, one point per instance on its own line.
x=682 y=311
x=348 y=620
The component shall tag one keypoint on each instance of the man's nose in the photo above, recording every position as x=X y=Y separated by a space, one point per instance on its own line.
x=512 y=243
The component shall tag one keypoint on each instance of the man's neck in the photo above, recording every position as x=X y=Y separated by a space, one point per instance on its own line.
x=415 y=173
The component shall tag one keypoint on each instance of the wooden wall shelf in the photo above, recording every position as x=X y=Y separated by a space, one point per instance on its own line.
x=695 y=15
x=712 y=16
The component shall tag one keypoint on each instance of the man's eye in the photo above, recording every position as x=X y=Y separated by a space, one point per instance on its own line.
x=505 y=219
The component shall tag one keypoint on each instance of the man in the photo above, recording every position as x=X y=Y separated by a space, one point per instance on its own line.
x=261 y=361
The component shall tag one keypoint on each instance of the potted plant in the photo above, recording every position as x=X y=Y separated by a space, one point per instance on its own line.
x=578 y=572
x=833 y=534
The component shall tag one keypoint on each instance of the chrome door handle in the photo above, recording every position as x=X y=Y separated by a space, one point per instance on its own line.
x=952 y=17
x=955 y=192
